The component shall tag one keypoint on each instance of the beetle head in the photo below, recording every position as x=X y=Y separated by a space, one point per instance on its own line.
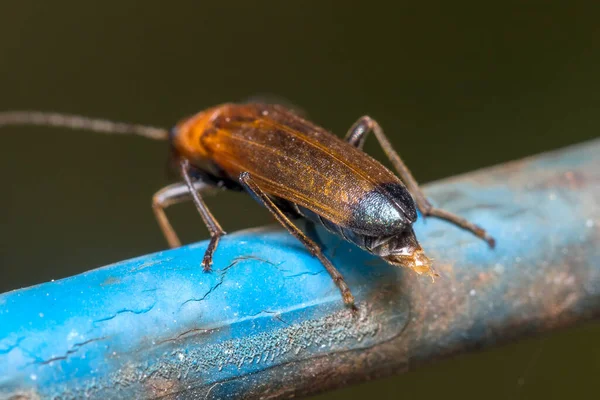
x=404 y=250
x=417 y=261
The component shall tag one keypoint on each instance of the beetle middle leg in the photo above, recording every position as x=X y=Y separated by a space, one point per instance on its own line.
x=254 y=189
x=168 y=196
x=357 y=135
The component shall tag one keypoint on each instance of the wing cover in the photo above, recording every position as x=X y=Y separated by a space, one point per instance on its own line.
x=296 y=160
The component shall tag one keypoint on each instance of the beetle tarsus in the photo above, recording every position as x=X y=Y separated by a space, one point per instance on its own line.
x=349 y=300
x=208 y=254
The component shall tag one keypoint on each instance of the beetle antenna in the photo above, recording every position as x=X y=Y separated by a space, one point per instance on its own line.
x=79 y=122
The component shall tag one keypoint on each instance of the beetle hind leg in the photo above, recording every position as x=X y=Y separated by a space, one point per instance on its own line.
x=357 y=135
x=254 y=189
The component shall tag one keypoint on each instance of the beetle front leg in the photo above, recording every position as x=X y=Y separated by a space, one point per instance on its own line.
x=357 y=135
x=209 y=220
x=254 y=189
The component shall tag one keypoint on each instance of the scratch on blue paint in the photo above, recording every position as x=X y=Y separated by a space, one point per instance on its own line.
x=313 y=273
x=222 y=272
x=12 y=346
x=74 y=349
x=192 y=300
x=126 y=310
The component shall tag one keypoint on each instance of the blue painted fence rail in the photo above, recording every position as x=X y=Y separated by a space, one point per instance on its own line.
x=269 y=322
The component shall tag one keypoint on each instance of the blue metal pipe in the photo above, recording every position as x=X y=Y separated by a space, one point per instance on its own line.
x=268 y=322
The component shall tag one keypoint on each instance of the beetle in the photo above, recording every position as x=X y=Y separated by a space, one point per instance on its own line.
x=295 y=169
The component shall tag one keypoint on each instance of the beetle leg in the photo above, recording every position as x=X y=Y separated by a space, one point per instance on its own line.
x=357 y=135
x=168 y=196
x=252 y=187
x=209 y=220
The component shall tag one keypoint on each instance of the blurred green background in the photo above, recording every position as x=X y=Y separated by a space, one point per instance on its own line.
x=456 y=85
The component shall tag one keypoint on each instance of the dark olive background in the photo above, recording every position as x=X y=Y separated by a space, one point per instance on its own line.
x=457 y=86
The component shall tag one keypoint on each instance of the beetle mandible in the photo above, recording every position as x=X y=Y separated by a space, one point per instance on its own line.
x=295 y=169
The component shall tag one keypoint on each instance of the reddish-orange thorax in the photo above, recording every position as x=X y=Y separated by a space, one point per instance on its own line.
x=187 y=139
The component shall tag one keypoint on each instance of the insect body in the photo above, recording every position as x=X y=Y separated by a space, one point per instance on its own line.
x=295 y=169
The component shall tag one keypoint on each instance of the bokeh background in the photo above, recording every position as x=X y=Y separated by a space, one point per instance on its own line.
x=456 y=85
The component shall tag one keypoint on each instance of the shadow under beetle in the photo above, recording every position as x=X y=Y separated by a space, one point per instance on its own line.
x=293 y=168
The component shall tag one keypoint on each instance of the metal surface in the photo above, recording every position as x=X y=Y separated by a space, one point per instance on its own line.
x=270 y=323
